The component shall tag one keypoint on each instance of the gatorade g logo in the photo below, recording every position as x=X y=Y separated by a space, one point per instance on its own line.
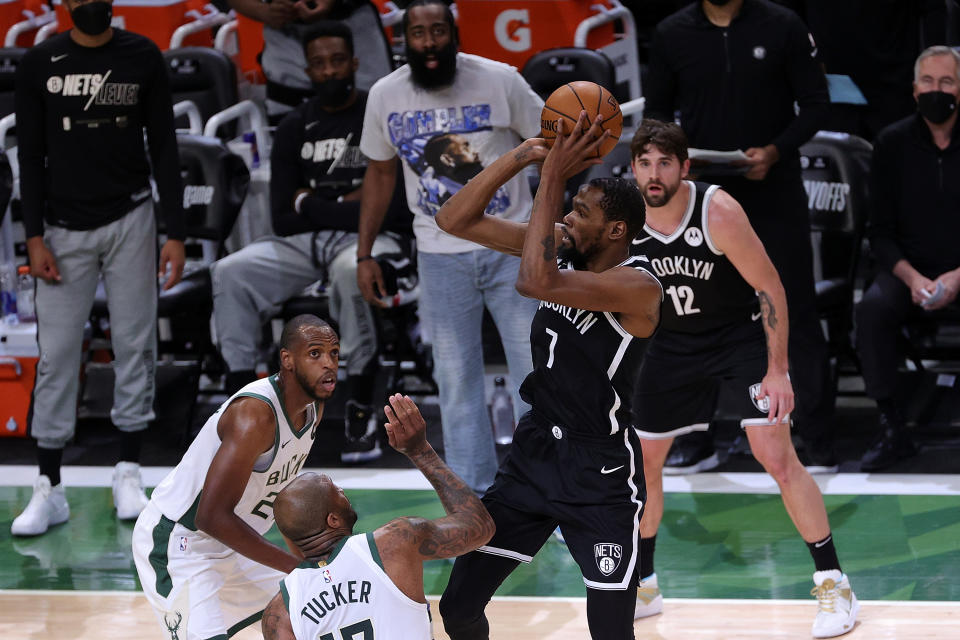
x=510 y=33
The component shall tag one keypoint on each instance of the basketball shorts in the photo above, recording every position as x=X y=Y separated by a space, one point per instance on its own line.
x=592 y=487
x=198 y=588
x=687 y=379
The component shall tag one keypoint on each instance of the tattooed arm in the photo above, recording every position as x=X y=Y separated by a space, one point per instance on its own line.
x=463 y=214
x=406 y=542
x=275 y=623
x=732 y=234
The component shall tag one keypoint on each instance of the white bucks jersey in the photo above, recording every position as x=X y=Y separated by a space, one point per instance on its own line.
x=179 y=493
x=349 y=596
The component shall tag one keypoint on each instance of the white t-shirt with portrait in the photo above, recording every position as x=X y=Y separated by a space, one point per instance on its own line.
x=445 y=136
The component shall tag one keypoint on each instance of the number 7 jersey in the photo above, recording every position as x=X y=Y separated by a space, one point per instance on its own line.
x=584 y=365
x=703 y=290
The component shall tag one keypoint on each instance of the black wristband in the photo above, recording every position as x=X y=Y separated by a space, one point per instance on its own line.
x=362 y=258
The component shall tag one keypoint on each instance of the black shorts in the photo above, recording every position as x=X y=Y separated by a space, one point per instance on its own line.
x=686 y=379
x=592 y=487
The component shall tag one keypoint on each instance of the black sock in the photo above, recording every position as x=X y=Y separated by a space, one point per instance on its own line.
x=823 y=552
x=647 y=546
x=130 y=446
x=49 y=461
x=361 y=388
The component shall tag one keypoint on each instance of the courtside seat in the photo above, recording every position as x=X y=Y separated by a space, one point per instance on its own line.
x=9 y=61
x=547 y=70
x=205 y=76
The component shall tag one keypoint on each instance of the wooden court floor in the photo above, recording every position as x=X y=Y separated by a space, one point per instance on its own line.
x=75 y=615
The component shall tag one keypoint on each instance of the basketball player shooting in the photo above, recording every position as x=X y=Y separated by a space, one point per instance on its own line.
x=574 y=462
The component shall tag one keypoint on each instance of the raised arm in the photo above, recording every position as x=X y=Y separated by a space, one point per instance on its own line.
x=732 y=234
x=463 y=214
x=275 y=623
x=246 y=430
x=406 y=542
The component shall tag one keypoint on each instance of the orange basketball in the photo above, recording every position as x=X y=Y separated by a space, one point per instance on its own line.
x=569 y=100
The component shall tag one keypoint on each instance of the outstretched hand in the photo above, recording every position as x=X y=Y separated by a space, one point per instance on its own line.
x=577 y=151
x=406 y=428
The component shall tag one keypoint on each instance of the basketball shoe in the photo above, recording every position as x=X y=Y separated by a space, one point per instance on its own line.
x=47 y=507
x=691 y=453
x=649 y=598
x=838 y=605
x=128 y=495
x=360 y=436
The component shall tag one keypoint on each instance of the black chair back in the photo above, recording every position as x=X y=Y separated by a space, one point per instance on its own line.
x=9 y=61
x=203 y=75
x=549 y=69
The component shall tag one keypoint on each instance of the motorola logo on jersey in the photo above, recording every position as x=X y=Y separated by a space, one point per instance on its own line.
x=95 y=84
x=693 y=236
x=608 y=556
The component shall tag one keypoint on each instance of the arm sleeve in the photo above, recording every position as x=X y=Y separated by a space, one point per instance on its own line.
x=374 y=139
x=660 y=86
x=164 y=156
x=882 y=226
x=525 y=106
x=31 y=145
x=809 y=86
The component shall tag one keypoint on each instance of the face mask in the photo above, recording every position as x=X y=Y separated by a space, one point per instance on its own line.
x=936 y=106
x=92 y=18
x=334 y=92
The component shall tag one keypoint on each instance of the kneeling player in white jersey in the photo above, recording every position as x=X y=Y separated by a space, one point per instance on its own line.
x=370 y=584
x=204 y=564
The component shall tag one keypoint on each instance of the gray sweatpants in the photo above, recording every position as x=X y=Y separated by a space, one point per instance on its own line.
x=125 y=253
x=251 y=285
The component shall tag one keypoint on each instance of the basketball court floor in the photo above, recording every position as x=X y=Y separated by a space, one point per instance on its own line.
x=729 y=561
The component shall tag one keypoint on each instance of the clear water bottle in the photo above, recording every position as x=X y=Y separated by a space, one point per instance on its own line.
x=26 y=311
x=8 y=293
x=501 y=412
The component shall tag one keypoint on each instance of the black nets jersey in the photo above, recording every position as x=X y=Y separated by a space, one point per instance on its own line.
x=703 y=289
x=584 y=366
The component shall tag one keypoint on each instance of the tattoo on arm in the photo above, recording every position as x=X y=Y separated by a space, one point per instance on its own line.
x=270 y=624
x=549 y=248
x=768 y=310
x=521 y=155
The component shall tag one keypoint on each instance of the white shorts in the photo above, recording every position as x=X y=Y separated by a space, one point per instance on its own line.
x=198 y=588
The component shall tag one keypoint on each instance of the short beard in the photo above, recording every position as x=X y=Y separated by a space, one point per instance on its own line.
x=663 y=198
x=442 y=76
x=570 y=254
x=305 y=385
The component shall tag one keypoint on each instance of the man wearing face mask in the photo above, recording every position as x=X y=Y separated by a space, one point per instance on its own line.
x=316 y=171
x=443 y=113
x=913 y=233
x=83 y=101
x=732 y=72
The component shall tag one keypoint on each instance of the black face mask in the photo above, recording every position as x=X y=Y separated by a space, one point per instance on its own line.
x=92 y=18
x=446 y=69
x=334 y=92
x=936 y=106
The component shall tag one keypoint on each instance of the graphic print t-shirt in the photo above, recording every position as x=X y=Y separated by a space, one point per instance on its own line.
x=446 y=136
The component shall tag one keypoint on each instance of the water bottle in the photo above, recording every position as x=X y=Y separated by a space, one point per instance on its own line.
x=8 y=293
x=26 y=311
x=501 y=412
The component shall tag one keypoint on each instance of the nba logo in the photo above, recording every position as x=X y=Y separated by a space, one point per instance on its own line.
x=183 y=543
x=608 y=556
x=327 y=577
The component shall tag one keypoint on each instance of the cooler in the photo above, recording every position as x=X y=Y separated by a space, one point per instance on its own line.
x=249 y=45
x=155 y=19
x=18 y=367
x=513 y=30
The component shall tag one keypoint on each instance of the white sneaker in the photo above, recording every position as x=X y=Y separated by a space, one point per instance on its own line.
x=48 y=506
x=837 y=605
x=649 y=598
x=128 y=495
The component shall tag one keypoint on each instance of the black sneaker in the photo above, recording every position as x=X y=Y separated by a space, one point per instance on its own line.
x=893 y=445
x=819 y=460
x=740 y=446
x=360 y=436
x=691 y=453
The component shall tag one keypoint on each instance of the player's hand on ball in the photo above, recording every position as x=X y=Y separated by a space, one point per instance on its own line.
x=406 y=428
x=575 y=151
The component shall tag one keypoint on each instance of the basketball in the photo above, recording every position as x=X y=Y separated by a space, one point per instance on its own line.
x=569 y=100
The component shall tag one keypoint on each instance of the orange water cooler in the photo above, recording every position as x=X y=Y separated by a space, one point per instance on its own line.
x=18 y=366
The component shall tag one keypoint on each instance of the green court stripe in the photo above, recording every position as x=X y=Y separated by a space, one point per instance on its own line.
x=158 y=555
x=374 y=551
x=243 y=624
